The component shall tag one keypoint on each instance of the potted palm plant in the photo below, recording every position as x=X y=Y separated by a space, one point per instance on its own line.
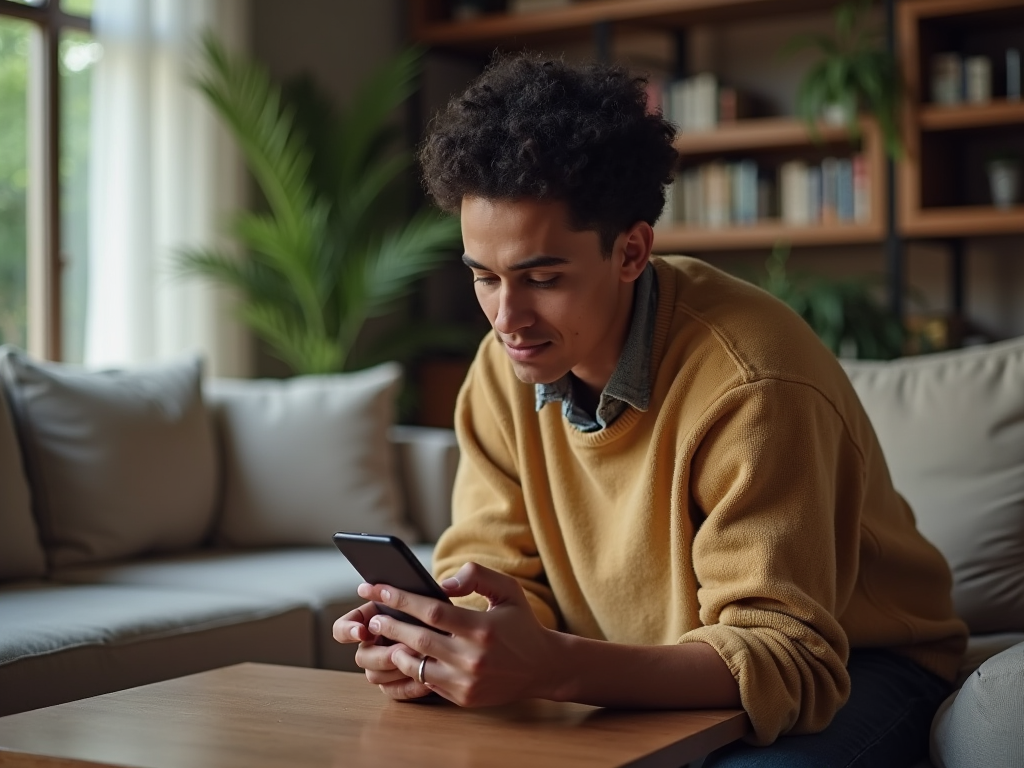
x=334 y=246
x=855 y=71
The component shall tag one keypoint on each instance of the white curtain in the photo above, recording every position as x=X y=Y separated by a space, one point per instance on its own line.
x=165 y=175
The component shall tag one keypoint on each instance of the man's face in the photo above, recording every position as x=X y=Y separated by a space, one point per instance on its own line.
x=555 y=302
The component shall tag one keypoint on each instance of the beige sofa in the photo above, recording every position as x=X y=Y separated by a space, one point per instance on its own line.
x=85 y=609
x=83 y=621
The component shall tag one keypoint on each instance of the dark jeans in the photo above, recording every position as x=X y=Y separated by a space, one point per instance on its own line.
x=885 y=723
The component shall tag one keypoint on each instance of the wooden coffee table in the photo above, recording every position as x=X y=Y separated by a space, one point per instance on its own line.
x=256 y=715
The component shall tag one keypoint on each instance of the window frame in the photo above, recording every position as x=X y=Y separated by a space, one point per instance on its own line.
x=45 y=253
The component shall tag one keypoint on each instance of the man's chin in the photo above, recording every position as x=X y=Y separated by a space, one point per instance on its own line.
x=533 y=374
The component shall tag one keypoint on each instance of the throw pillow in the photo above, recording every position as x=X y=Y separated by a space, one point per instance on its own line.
x=951 y=426
x=121 y=462
x=979 y=726
x=21 y=557
x=308 y=456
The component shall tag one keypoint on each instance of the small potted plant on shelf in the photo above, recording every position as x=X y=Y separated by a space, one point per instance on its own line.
x=855 y=72
x=1004 y=179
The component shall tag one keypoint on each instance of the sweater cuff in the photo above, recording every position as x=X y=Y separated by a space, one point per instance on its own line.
x=781 y=690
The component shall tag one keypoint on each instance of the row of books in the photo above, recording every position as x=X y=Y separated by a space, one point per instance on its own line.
x=699 y=103
x=722 y=194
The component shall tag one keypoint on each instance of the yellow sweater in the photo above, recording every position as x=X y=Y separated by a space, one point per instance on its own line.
x=749 y=508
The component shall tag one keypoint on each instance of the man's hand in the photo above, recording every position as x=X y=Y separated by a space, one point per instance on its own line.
x=374 y=658
x=490 y=657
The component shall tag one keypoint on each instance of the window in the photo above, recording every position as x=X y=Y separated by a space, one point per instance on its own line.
x=46 y=53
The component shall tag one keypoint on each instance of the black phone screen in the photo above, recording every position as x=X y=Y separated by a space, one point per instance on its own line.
x=382 y=559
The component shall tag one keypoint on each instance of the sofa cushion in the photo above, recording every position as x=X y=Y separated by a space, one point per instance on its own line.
x=980 y=725
x=427 y=460
x=319 y=578
x=62 y=642
x=952 y=429
x=308 y=456
x=120 y=462
x=21 y=556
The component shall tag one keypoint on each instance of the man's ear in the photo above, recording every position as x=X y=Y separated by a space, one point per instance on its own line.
x=633 y=247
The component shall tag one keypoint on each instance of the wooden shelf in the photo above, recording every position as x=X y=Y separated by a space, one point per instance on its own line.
x=764 y=235
x=939 y=118
x=577 y=20
x=964 y=221
x=927 y=165
x=760 y=134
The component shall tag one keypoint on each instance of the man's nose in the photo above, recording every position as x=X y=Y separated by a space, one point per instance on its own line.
x=514 y=312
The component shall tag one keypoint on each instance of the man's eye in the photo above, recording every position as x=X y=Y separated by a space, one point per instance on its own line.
x=544 y=283
x=485 y=280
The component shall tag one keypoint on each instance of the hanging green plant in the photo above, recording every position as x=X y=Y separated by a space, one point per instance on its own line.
x=335 y=246
x=855 y=73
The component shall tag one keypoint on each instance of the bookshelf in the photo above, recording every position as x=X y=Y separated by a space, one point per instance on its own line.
x=431 y=25
x=931 y=193
x=775 y=139
x=942 y=184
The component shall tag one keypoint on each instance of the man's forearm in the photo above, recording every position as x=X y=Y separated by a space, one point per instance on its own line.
x=685 y=676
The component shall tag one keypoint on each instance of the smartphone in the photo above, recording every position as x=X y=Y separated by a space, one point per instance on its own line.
x=382 y=559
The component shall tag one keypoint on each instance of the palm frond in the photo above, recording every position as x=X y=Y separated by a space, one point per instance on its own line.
x=250 y=105
x=407 y=255
x=371 y=108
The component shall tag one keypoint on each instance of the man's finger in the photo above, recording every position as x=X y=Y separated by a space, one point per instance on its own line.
x=376 y=657
x=351 y=628
x=497 y=587
x=422 y=641
x=434 y=613
x=382 y=678
x=405 y=689
x=435 y=672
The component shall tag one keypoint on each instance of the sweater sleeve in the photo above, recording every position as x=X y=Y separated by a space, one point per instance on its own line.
x=489 y=518
x=780 y=483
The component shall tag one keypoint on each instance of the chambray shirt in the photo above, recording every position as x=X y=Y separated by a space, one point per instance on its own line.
x=630 y=383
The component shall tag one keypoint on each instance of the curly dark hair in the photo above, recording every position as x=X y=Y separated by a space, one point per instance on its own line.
x=532 y=128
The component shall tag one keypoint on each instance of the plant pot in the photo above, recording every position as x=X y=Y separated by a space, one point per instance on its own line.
x=1004 y=182
x=835 y=114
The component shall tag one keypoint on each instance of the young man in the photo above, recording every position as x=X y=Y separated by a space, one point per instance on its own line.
x=669 y=494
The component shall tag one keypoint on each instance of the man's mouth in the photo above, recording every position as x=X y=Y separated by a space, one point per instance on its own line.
x=525 y=351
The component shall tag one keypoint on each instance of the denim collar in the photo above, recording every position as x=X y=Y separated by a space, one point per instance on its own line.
x=630 y=383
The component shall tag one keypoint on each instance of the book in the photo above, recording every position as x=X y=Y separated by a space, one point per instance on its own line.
x=829 y=190
x=716 y=190
x=814 y=194
x=861 y=189
x=744 y=190
x=844 y=189
x=705 y=101
x=793 y=192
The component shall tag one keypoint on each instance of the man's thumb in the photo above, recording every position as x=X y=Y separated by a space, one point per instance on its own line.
x=496 y=587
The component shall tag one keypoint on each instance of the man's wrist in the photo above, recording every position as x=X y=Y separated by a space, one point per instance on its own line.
x=556 y=681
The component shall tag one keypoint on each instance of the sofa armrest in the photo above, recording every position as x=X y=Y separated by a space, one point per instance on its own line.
x=427 y=459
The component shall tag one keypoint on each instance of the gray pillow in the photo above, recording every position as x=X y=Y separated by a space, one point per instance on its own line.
x=982 y=724
x=120 y=462
x=21 y=557
x=308 y=456
x=952 y=429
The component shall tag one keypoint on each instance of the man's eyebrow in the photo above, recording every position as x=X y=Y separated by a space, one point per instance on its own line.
x=534 y=262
